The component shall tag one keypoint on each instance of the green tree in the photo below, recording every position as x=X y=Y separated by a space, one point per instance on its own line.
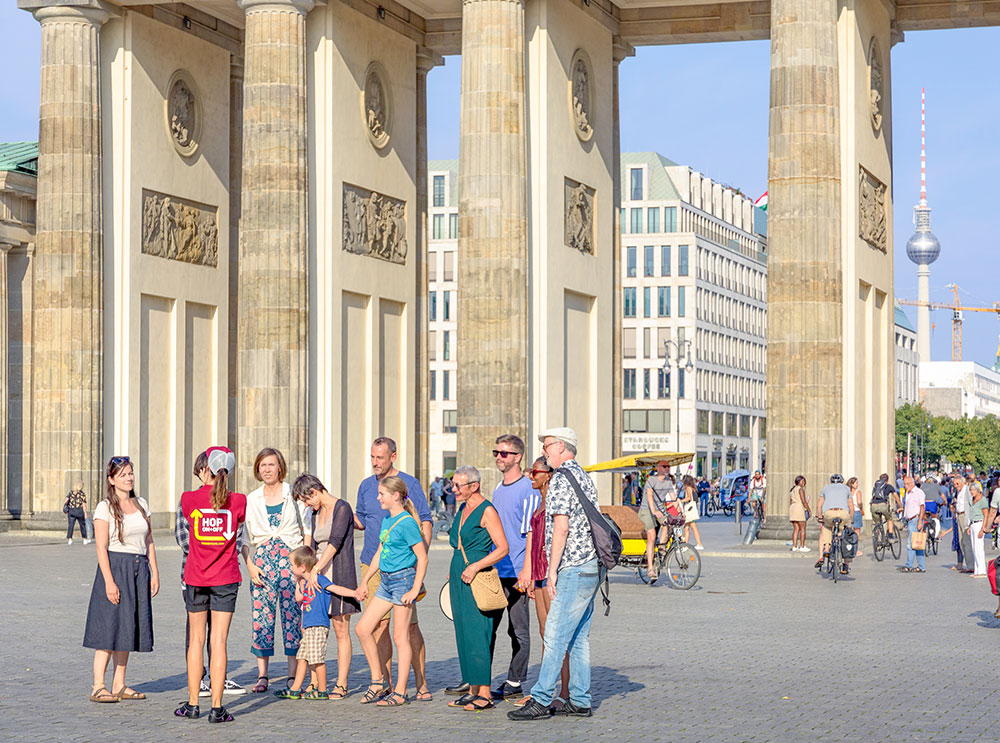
x=909 y=420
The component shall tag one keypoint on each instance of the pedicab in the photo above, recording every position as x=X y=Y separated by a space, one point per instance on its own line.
x=672 y=556
x=734 y=488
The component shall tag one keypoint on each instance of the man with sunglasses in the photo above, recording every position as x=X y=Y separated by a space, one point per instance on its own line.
x=515 y=501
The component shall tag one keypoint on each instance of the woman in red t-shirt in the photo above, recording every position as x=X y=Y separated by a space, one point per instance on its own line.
x=211 y=577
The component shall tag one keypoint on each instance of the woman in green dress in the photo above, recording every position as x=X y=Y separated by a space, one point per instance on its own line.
x=484 y=544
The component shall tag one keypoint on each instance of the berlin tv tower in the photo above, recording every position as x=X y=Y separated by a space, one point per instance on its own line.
x=923 y=247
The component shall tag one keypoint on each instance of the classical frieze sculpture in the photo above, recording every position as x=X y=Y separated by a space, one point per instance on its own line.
x=377 y=106
x=578 y=232
x=179 y=229
x=872 y=218
x=374 y=224
x=875 y=82
x=581 y=95
x=183 y=113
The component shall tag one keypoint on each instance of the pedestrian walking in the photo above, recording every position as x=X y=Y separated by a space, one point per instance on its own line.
x=962 y=502
x=331 y=537
x=704 y=493
x=858 y=501
x=211 y=578
x=798 y=514
x=978 y=505
x=573 y=579
x=120 y=614
x=274 y=527
x=75 y=509
x=478 y=542
x=515 y=501
x=401 y=562
x=689 y=507
x=368 y=517
x=913 y=515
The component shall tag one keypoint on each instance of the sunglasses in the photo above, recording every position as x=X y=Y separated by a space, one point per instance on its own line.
x=536 y=473
x=504 y=454
x=118 y=461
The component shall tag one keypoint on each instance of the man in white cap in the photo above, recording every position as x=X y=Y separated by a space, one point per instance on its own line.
x=573 y=578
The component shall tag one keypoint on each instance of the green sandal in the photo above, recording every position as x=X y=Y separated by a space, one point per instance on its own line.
x=394 y=699
x=288 y=693
x=376 y=690
x=339 y=692
x=315 y=694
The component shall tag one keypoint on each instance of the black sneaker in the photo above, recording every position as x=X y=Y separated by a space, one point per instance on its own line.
x=844 y=570
x=220 y=714
x=530 y=711
x=571 y=710
x=819 y=563
x=507 y=690
x=190 y=711
x=457 y=691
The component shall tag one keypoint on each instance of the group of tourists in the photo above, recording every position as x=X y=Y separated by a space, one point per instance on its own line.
x=531 y=541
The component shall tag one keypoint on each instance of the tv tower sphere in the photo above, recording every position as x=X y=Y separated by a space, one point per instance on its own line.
x=923 y=248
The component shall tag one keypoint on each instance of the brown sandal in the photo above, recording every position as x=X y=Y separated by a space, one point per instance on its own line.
x=103 y=696
x=127 y=693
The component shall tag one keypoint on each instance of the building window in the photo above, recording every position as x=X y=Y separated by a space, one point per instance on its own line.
x=653 y=219
x=433 y=306
x=681 y=296
x=432 y=346
x=438 y=229
x=663 y=385
x=702 y=421
x=637 y=221
x=453 y=226
x=670 y=219
x=717 y=424
x=635 y=174
x=682 y=260
x=439 y=190
x=664 y=260
x=731 y=428
x=449 y=420
x=628 y=343
x=449 y=265
x=446 y=387
x=629 y=294
x=744 y=425
x=648 y=260
x=630 y=261
x=680 y=383
x=447 y=305
x=658 y=421
x=663 y=301
x=621 y=218
x=433 y=385
x=647 y=302
x=645 y=383
x=447 y=345
x=628 y=382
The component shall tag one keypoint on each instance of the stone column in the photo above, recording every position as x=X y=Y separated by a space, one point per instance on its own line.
x=4 y=381
x=67 y=394
x=235 y=195
x=273 y=354
x=493 y=335
x=805 y=293
x=424 y=63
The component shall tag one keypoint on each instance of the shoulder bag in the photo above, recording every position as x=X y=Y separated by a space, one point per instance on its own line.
x=486 y=587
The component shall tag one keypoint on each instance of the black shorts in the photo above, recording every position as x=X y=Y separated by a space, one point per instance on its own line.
x=211 y=598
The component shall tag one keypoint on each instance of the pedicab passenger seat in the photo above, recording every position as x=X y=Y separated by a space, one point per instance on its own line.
x=627 y=518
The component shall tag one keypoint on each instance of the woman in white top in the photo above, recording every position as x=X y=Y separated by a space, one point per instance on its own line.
x=859 y=510
x=120 y=615
x=274 y=527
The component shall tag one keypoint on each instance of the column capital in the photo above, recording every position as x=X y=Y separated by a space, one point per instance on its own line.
x=303 y=6
x=90 y=11
x=621 y=49
x=427 y=59
x=236 y=65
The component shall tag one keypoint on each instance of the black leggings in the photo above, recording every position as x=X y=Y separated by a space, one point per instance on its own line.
x=75 y=515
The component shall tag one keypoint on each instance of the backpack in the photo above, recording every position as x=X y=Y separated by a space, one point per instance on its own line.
x=879 y=493
x=849 y=544
x=991 y=573
x=605 y=533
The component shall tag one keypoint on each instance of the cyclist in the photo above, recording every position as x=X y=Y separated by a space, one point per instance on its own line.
x=883 y=495
x=834 y=503
x=653 y=510
x=932 y=504
x=758 y=494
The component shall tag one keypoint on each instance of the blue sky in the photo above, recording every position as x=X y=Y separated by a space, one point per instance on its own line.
x=707 y=106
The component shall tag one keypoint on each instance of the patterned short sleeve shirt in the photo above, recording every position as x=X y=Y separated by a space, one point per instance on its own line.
x=76 y=499
x=561 y=499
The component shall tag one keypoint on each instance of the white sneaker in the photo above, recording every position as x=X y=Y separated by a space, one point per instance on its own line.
x=69 y=541
x=795 y=549
x=699 y=547
x=86 y=541
x=232 y=687
x=205 y=690
x=804 y=549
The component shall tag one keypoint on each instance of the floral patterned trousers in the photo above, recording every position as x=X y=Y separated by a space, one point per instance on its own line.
x=271 y=558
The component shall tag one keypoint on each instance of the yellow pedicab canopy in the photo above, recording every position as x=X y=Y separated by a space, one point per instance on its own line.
x=634 y=462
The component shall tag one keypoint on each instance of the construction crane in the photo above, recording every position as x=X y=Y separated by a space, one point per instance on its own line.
x=956 y=318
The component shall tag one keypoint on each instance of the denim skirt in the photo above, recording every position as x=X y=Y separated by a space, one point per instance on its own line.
x=127 y=625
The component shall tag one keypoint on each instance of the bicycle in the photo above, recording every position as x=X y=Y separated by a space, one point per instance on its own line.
x=933 y=538
x=882 y=540
x=681 y=561
x=833 y=560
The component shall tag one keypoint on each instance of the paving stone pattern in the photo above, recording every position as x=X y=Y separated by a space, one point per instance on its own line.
x=760 y=650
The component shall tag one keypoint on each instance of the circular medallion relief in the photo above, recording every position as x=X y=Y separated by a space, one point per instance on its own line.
x=875 y=78
x=183 y=113
x=581 y=95
x=376 y=106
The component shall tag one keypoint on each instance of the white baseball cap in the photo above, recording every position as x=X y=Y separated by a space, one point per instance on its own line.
x=221 y=458
x=562 y=433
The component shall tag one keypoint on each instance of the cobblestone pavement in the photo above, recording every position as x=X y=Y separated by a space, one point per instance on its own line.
x=760 y=650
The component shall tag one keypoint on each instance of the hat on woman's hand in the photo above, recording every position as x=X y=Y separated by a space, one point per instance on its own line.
x=220 y=458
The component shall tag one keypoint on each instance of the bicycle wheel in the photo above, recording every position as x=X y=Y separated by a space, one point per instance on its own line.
x=683 y=566
x=878 y=542
x=895 y=544
x=710 y=508
x=934 y=546
x=837 y=560
x=643 y=573
x=728 y=510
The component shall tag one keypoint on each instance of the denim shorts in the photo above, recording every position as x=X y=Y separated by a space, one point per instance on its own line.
x=858 y=522
x=395 y=584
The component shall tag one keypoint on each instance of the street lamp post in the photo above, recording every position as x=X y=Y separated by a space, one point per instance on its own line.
x=682 y=354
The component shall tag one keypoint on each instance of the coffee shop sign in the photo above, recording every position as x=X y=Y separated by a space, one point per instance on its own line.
x=638 y=442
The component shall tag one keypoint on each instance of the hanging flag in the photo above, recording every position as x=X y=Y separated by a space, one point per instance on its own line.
x=761 y=203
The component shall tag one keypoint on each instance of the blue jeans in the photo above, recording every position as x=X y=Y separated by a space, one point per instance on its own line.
x=703 y=504
x=567 y=629
x=912 y=527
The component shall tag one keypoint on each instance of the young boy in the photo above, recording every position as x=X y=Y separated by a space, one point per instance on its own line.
x=315 y=627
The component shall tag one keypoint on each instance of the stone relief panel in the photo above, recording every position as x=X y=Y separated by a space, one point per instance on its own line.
x=179 y=229
x=376 y=105
x=183 y=113
x=872 y=219
x=578 y=232
x=374 y=224
x=875 y=83
x=581 y=95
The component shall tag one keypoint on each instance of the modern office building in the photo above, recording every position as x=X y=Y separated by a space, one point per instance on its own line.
x=694 y=282
x=959 y=389
x=907 y=360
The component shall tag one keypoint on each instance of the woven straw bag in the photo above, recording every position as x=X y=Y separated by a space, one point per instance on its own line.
x=486 y=587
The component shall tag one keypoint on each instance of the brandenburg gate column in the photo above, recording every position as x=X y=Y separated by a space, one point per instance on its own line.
x=67 y=395
x=273 y=404
x=805 y=265
x=493 y=339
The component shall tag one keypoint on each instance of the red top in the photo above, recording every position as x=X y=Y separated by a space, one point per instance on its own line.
x=539 y=563
x=212 y=557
